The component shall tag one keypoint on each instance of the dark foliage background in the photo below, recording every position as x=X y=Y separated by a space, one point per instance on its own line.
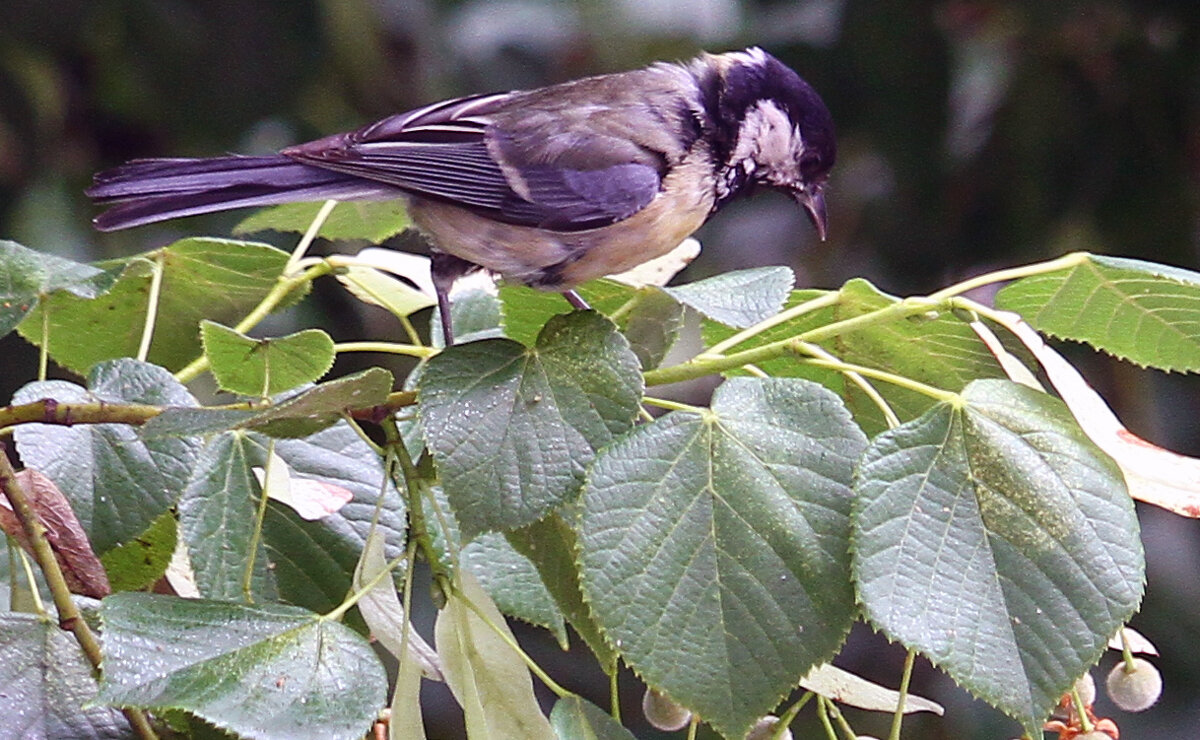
x=973 y=135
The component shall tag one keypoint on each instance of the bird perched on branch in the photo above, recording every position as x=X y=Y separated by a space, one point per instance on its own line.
x=549 y=187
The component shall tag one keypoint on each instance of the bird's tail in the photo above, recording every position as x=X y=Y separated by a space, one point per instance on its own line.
x=149 y=190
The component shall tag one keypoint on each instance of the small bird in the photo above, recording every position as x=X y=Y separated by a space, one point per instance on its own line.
x=549 y=187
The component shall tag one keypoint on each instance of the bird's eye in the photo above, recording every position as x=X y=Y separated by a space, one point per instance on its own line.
x=811 y=164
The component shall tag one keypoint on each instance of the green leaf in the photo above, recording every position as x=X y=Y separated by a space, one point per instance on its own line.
x=322 y=405
x=715 y=547
x=509 y=577
x=373 y=221
x=738 y=299
x=313 y=561
x=527 y=310
x=487 y=677
x=995 y=538
x=217 y=516
x=138 y=563
x=1143 y=312
x=117 y=483
x=185 y=421
x=380 y=604
x=476 y=315
x=203 y=278
x=266 y=671
x=550 y=544
x=27 y=276
x=513 y=583
x=299 y=415
x=937 y=349
x=380 y=289
x=264 y=367
x=513 y=428
x=652 y=325
x=46 y=685
x=406 y=722
x=575 y=718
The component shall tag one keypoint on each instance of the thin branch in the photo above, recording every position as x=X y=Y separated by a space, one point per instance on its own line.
x=69 y=617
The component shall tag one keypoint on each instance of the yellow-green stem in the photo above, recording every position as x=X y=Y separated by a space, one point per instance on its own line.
x=69 y=617
x=706 y=364
x=828 y=299
x=156 y=278
x=1013 y=273
x=269 y=303
x=1085 y=722
x=898 y=717
x=391 y=348
x=544 y=677
x=614 y=694
x=256 y=533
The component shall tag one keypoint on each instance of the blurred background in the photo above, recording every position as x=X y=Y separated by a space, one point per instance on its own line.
x=973 y=135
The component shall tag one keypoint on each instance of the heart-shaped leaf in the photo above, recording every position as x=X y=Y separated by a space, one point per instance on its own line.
x=995 y=538
x=264 y=367
x=268 y=671
x=714 y=547
x=117 y=482
x=513 y=428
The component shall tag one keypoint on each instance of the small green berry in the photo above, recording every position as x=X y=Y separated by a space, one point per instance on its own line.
x=1135 y=690
x=1086 y=686
x=663 y=713
x=764 y=729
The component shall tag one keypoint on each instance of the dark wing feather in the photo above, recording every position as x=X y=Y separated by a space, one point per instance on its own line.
x=442 y=152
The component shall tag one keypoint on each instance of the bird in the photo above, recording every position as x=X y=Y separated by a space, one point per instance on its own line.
x=549 y=187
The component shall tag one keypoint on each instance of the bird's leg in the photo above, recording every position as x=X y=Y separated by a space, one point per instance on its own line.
x=576 y=300
x=444 y=270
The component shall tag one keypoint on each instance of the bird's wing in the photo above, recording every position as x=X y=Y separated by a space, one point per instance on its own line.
x=442 y=151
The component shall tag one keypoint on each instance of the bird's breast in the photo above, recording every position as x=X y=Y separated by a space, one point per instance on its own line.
x=559 y=260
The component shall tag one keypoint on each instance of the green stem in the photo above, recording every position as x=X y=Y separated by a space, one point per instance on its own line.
x=69 y=617
x=268 y=304
x=310 y=235
x=828 y=299
x=44 y=350
x=536 y=669
x=710 y=362
x=256 y=533
x=1127 y=652
x=340 y=610
x=898 y=717
x=30 y=579
x=1012 y=273
x=897 y=380
x=840 y=719
x=414 y=485
x=1085 y=722
x=392 y=348
x=706 y=364
x=823 y=715
x=49 y=411
x=789 y=716
x=666 y=403
x=885 y=408
x=410 y=553
x=156 y=278
x=614 y=694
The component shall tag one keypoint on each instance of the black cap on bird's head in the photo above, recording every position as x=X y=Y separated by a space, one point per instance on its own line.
x=770 y=128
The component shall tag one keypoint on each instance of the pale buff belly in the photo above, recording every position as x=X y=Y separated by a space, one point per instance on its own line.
x=559 y=260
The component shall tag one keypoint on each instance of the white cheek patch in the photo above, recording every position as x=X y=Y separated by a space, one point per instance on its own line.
x=768 y=140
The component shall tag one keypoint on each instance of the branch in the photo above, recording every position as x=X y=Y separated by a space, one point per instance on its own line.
x=69 y=617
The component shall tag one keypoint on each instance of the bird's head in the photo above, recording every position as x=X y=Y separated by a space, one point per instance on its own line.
x=769 y=129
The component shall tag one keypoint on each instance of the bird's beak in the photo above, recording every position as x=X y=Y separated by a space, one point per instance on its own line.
x=814 y=203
